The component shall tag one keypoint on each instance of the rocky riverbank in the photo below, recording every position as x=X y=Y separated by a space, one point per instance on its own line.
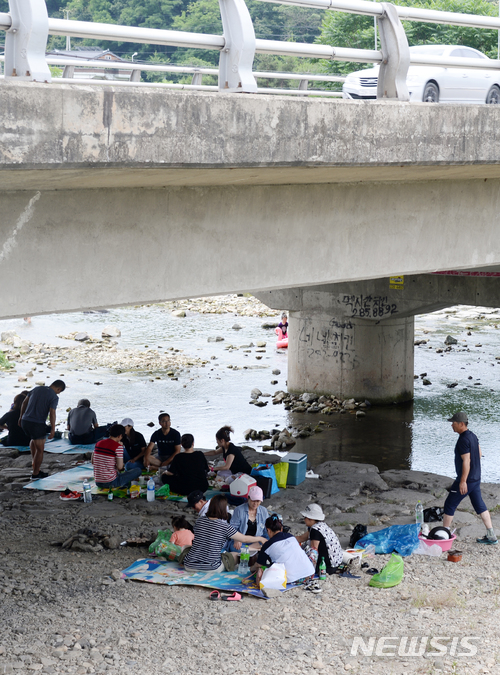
x=64 y=612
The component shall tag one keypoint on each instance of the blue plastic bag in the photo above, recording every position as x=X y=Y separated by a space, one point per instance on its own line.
x=400 y=538
x=267 y=470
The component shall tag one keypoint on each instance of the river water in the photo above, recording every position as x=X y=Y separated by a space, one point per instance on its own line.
x=204 y=398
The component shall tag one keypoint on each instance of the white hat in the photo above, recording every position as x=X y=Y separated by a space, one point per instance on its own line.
x=127 y=422
x=314 y=512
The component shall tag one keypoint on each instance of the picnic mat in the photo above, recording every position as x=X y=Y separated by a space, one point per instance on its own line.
x=61 y=446
x=71 y=478
x=173 y=574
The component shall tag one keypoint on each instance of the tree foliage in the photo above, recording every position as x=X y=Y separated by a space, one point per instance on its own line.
x=354 y=31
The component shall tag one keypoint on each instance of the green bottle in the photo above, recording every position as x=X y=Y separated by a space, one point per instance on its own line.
x=322 y=569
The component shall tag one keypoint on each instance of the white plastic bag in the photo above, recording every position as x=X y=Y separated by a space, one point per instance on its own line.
x=274 y=578
x=423 y=549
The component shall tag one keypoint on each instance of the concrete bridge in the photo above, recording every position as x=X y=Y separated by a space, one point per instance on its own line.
x=111 y=197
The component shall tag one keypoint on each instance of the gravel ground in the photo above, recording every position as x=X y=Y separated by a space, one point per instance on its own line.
x=63 y=612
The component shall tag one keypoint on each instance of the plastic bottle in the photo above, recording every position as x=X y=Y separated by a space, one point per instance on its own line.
x=87 y=492
x=151 y=490
x=322 y=569
x=368 y=551
x=419 y=515
x=243 y=568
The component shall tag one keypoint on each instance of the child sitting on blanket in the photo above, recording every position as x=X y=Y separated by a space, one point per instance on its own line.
x=183 y=534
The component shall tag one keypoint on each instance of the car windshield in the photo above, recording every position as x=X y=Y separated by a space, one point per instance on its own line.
x=431 y=50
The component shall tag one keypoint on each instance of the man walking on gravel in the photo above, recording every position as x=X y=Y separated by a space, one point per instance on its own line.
x=468 y=481
x=40 y=403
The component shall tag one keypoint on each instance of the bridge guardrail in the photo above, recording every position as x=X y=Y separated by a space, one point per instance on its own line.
x=27 y=27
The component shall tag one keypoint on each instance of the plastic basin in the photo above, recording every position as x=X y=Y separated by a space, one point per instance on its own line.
x=444 y=544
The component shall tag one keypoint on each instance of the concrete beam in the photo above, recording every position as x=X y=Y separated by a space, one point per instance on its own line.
x=96 y=137
x=76 y=249
x=382 y=299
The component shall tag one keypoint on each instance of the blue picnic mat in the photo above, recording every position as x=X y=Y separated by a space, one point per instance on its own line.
x=173 y=574
x=61 y=446
x=71 y=478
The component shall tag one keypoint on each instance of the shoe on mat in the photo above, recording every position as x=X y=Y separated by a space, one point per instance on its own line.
x=68 y=495
x=40 y=474
x=313 y=587
x=487 y=540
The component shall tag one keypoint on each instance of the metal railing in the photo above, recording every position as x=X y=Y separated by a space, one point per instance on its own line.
x=27 y=27
x=71 y=75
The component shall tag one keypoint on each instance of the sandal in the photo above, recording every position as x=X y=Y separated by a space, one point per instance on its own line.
x=234 y=597
x=214 y=595
x=313 y=587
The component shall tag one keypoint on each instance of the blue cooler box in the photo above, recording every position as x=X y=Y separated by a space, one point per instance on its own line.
x=297 y=467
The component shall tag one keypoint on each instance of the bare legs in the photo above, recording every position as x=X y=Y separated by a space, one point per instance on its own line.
x=37 y=447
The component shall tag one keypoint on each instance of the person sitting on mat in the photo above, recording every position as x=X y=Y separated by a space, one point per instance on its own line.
x=10 y=421
x=188 y=470
x=168 y=442
x=284 y=548
x=82 y=425
x=233 y=455
x=320 y=540
x=134 y=446
x=250 y=518
x=183 y=533
x=107 y=459
x=211 y=533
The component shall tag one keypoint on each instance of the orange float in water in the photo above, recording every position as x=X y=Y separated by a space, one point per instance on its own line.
x=282 y=339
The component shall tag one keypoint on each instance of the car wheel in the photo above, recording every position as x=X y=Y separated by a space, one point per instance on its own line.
x=431 y=93
x=493 y=95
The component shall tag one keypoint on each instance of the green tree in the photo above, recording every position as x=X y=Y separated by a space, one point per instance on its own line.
x=354 y=31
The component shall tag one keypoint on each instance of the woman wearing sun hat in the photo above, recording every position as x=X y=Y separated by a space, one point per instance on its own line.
x=321 y=539
x=134 y=446
x=250 y=518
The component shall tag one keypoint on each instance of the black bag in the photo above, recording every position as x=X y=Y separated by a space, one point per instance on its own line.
x=433 y=514
x=265 y=484
x=358 y=533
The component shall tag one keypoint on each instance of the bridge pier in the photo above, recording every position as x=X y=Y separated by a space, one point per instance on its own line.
x=355 y=339
x=351 y=358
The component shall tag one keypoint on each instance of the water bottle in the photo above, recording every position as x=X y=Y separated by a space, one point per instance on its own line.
x=243 y=568
x=151 y=490
x=419 y=515
x=87 y=492
x=322 y=569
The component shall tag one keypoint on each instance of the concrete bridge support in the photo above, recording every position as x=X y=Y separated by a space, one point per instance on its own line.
x=356 y=339
x=351 y=357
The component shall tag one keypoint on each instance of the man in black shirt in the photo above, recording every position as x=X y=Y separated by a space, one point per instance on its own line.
x=468 y=481
x=168 y=442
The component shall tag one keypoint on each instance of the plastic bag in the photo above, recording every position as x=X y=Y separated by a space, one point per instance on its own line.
x=423 y=549
x=274 y=577
x=400 y=538
x=267 y=470
x=163 y=537
x=358 y=532
x=169 y=551
x=281 y=472
x=433 y=514
x=391 y=575
x=164 y=491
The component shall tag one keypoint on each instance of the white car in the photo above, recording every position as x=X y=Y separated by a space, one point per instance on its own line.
x=434 y=84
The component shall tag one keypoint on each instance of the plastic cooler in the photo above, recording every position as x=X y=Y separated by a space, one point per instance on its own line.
x=297 y=467
x=241 y=486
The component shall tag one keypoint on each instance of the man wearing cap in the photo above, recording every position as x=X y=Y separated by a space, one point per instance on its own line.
x=468 y=481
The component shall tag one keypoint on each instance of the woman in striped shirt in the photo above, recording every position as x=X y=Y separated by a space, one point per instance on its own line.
x=211 y=532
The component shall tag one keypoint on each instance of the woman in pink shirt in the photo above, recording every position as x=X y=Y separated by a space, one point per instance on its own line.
x=183 y=534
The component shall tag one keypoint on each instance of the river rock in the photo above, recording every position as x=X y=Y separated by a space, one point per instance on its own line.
x=180 y=313
x=8 y=335
x=260 y=344
x=270 y=324
x=309 y=397
x=277 y=371
x=450 y=340
x=218 y=338
x=111 y=331
x=82 y=336
x=236 y=326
